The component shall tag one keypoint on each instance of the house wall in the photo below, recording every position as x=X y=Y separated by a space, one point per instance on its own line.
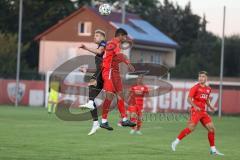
x=69 y=31
x=61 y=44
x=153 y=56
x=52 y=53
x=169 y=58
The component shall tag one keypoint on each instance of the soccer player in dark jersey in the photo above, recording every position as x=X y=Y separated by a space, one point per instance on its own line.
x=198 y=98
x=96 y=82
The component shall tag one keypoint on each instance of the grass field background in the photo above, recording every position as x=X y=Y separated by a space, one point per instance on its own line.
x=28 y=133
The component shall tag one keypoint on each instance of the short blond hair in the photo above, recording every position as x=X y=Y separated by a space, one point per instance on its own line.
x=101 y=32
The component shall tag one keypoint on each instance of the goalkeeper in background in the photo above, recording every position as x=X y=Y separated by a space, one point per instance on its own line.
x=53 y=96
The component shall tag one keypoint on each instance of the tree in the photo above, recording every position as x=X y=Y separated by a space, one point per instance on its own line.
x=197 y=45
x=37 y=17
x=8 y=55
x=232 y=56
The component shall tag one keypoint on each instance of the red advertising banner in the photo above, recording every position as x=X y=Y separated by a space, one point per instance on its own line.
x=8 y=88
x=174 y=101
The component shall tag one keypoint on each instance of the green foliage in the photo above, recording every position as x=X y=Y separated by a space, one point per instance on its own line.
x=232 y=56
x=199 y=49
x=38 y=15
x=8 y=54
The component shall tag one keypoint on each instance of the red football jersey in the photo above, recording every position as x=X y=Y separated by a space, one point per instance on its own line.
x=138 y=93
x=113 y=56
x=200 y=95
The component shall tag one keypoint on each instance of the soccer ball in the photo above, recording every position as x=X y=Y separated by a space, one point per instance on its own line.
x=104 y=9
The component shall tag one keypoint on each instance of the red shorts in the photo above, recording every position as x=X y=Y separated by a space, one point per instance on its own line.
x=135 y=109
x=202 y=116
x=112 y=81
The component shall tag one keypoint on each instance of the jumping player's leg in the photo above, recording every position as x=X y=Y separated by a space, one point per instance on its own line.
x=122 y=110
x=94 y=90
x=92 y=94
x=95 y=87
x=121 y=105
x=105 y=110
x=106 y=106
x=109 y=91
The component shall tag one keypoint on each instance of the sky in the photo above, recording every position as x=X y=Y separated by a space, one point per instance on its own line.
x=213 y=9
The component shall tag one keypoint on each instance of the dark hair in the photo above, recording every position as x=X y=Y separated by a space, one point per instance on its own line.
x=121 y=31
x=203 y=72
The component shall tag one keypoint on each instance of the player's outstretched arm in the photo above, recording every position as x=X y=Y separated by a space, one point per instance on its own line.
x=99 y=50
x=123 y=58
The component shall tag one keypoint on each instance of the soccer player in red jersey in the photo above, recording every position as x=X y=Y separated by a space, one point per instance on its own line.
x=137 y=93
x=112 y=83
x=198 y=98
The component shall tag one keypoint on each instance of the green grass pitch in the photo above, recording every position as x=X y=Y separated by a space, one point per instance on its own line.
x=28 y=133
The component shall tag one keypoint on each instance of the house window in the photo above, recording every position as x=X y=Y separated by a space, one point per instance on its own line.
x=84 y=28
x=155 y=58
x=158 y=58
x=152 y=59
x=142 y=58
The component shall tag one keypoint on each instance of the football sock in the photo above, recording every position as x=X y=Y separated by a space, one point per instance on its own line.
x=94 y=113
x=50 y=107
x=105 y=108
x=211 y=136
x=122 y=109
x=93 y=92
x=213 y=148
x=104 y=120
x=95 y=123
x=184 y=133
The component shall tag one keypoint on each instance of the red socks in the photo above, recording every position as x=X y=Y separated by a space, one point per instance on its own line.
x=211 y=137
x=139 y=124
x=184 y=133
x=121 y=108
x=105 y=108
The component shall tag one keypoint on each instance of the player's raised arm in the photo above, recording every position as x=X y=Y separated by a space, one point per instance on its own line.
x=123 y=58
x=99 y=38
x=96 y=51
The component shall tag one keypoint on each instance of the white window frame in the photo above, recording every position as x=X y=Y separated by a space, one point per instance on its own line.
x=87 y=28
x=156 y=58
